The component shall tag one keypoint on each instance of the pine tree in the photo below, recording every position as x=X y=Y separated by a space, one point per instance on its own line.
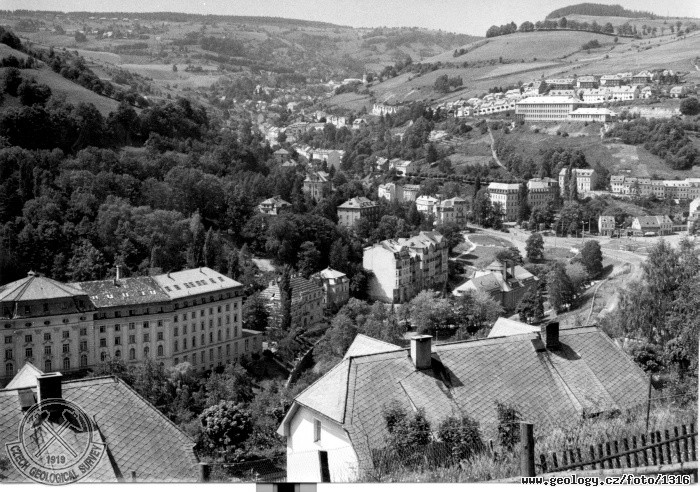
x=285 y=286
x=524 y=206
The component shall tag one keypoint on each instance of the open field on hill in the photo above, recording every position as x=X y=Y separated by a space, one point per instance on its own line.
x=73 y=92
x=614 y=156
x=540 y=45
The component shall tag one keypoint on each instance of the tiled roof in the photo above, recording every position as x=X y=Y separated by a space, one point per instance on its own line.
x=329 y=273
x=124 y=292
x=34 y=287
x=587 y=374
x=300 y=287
x=195 y=281
x=364 y=345
x=276 y=202
x=138 y=437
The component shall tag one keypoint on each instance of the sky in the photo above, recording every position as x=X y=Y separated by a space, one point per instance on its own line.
x=462 y=16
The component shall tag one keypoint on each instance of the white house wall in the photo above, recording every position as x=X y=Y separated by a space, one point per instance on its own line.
x=302 y=452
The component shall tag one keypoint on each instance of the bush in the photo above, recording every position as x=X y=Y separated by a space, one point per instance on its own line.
x=462 y=436
x=509 y=418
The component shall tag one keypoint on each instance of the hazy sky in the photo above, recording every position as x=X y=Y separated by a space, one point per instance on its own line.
x=465 y=16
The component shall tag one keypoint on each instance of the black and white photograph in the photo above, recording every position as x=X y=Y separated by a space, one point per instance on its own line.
x=288 y=245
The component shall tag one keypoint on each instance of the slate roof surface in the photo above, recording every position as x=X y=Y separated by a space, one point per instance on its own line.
x=358 y=202
x=138 y=437
x=364 y=345
x=588 y=374
x=25 y=377
x=124 y=292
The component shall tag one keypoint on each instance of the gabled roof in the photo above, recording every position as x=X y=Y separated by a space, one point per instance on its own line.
x=329 y=273
x=25 y=377
x=504 y=327
x=364 y=345
x=138 y=437
x=588 y=374
x=276 y=201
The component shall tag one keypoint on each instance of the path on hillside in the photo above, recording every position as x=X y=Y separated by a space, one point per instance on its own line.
x=493 y=148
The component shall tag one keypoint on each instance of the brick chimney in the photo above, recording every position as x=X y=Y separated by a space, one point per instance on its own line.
x=421 y=351
x=49 y=386
x=550 y=335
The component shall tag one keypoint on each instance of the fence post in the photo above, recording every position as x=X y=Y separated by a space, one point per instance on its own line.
x=648 y=404
x=204 y=472
x=527 y=450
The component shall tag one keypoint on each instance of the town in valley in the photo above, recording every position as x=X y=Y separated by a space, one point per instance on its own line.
x=263 y=249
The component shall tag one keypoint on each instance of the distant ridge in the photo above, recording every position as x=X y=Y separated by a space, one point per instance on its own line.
x=184 y=17
x=601 y=10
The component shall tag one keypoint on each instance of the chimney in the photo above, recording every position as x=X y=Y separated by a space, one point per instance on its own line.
x=550 y=335
x=421 y=351
x=49 y=386
x=119 y=273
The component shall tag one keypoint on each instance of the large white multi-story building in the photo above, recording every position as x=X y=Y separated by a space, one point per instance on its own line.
x=189 y=316
x=401 y=268
x=541 y=191
x=545 y=108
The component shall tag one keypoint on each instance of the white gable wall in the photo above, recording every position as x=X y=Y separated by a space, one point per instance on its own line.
x=302 y=452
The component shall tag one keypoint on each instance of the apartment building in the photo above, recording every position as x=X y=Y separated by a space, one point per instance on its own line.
x=427 y=204
x=686 y=189
x=189 y=316
x=454 y=210
x=606 y=225
x=600 y=115
x=336 y=287
x=356 y=208
x=584 y=179
x=401 y=268
x=506 y=195
x=306 y=306
x=410 y=192
x=541 y=191
x=391 y=192
x=273 y=206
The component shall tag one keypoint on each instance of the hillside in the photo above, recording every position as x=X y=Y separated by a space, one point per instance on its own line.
x=528 y=56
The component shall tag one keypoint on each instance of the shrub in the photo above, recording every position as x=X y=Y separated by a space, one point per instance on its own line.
x=462 y=436
x=509 y=418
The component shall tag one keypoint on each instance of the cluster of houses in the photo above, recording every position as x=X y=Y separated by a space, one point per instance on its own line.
x=685 y=189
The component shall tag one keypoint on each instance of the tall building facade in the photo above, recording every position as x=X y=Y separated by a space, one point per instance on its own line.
x=356 y=208
x=507 y=196
x=189 y=316
x=402 y=268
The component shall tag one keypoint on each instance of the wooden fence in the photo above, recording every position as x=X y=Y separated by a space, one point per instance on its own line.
x=655 y=448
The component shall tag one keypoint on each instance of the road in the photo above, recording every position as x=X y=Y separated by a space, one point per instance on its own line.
x=493 y=148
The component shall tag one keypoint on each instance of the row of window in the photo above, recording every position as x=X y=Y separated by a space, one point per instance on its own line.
x=193 y=314
x=48 y=365
x=7 y=310
x=186 y=358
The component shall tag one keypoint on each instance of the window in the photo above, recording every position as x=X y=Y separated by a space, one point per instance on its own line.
x=102 y=329
x=83 y=332
x=211 y=337
x=66 y=364
x=175 y=347
x=103 y=356
x=83 y=345
x=211 y=323
x=184 y=344
x=66 y=348
x=202 y=338
x=83 y=360
x=27 y=339
x=117 y=340
x=28 y=352
x=117 y=314
x=160 y=351
x=132 y=326
x=218 y=322
x=146 y=337
x=219 y=351
x=228 y=349
x=228 y=307
x=317 y=430
x=184 y=329
x=117 y=328
x=66 y=334
x=175 y=318
x=211 y=354
x=146 y=351
x=132 y=353
x=228 y=333
x=218 y=309
x=9 y=369
x=47 y=366
x=145 y=324
x=8 y=354
x=8 y=339
x=194 y=342
x=103 y=342
x=160 y=322
x=160 y=335
x=175 y=332
x=132 y=338
x=176 y=361
x=228 y=319
x=194 y=358
x=201 y=326
x=47 y=350
x=218 y=337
